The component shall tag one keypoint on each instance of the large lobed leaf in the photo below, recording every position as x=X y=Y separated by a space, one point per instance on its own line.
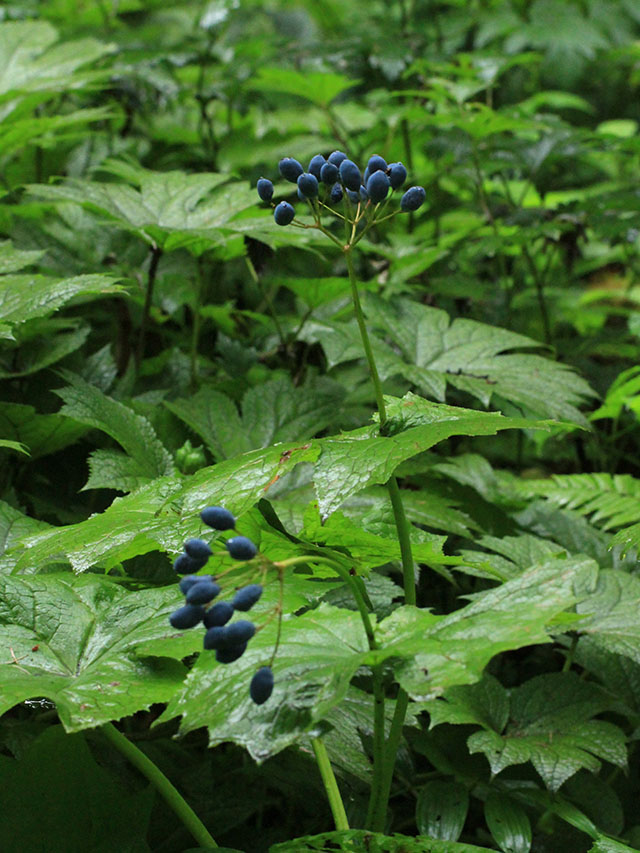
x=72 y=640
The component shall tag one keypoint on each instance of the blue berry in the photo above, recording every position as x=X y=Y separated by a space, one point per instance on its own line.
x=336 y=157
x=308 y=185
x=261 y=686
x=364 y=195
x=397 y=175
x=290 y=169
x=198 y=549
x=202 y=593
x=376 y=162
x=336 y=193
x=186 y=565
x=329 y=173
x=241 y=548
x=214 y=637
x=218 y=517
x=315 y=165
x=265 y=189
x=218 y=615
x=378 y=186
x=228 y=655
x=186 y=617
x=191 y=580
x=354 y=197
x=413 y=198
x=240 y=632
x=350 y=175
x=246 y=597
x=283 y=213
x=301 y=195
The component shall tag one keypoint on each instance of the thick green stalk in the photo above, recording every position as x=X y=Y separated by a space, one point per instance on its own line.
x=384 y=757
x=162 y=785
x=330 y=784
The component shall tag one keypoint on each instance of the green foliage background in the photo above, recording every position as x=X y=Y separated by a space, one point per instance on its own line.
x=165 y=346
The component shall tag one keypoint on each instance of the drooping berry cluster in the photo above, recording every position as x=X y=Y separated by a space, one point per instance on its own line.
x=341 y=177
x=228 y=640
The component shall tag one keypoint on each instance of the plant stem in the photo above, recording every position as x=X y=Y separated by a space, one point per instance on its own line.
x=330 y=784
x=384 y=757
x=162 y=785
x=195 y=327
x=156 y=253
x=267 y=299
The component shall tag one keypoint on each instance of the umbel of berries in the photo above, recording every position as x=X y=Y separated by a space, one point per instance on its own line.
x=337 y=179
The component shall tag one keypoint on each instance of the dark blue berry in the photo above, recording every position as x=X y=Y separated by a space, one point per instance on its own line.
x=240 y=632
x=378 y=187
x=315 y=165
x=290 y=169
x=336 y=157
x=397 y=175
x=364 y=195
x=413 y=198
x=228 y=655
x=198 y=549
x=202 y=593
x=186 y=565
x=329 y=173
x=261 y=686
x=241 y=548
x=336 y=193
x=218 y=517
x=350 y=175
x=214 y=637
x=308 y=185
x=218 y=615
x=191 y=580
x=376 y=162
x=354 y=197
x=284 y=213
x=186 y=617
x=245 y=598
x=265 y=189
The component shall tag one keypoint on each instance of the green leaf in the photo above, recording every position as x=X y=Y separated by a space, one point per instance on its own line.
x=441 y=810
x=551 y=726
x=473 y=357
x=319 y=653
x=88 y=405
x=163 y=513
x=31 y=62
x=14 y=445
x=111 y=469
x=508 y=823
x=171 y=209
x=360 y=458
x=485 y=703
x=214 y=417
x=12 y=259
x=439 y=652
x=83 y=808
x=24 y=296
x=74 y=641
x=14 y=526
x=41 y=343
x=41 y=434
x=610 y=614
x=363 y=841
x=610 y=845
x=316 y=86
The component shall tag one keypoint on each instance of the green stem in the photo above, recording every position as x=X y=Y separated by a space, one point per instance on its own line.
x=156 y=253
x=330 y=784
x=267 y=299
x=379 y=815
x=162 y=785
x=195 y=328
x=384 y=757
x=351 y=581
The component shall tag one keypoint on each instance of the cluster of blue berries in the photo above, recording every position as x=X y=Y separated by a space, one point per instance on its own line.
x=341 y=176
x=228 y=641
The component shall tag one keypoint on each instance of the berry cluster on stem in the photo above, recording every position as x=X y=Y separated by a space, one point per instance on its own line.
x=229 y=641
